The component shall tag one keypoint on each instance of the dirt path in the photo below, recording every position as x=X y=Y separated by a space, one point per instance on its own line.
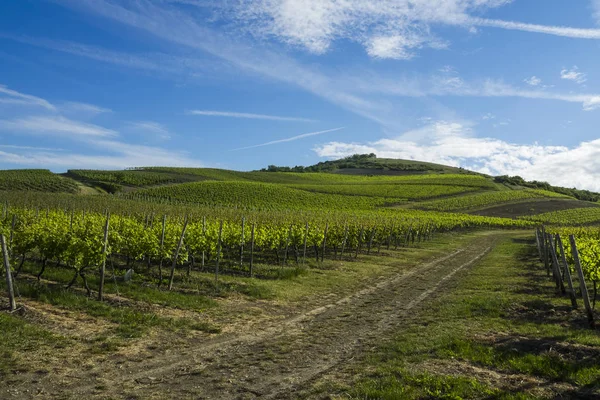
x=280 y=360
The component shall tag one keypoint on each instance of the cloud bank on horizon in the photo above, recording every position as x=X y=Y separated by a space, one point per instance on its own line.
x=497 y=86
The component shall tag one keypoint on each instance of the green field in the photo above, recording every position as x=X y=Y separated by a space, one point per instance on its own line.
x=479 y=200
x=39 y=180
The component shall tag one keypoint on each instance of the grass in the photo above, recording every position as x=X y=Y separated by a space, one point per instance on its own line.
x=20 y=337
x=130 y=321
x=503 y=318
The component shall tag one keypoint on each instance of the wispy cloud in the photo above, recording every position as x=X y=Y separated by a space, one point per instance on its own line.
x=573 y=74
x=152 y=127
x=445 y=85
x=116 y=155
x=14 y=97
x=577 y=33
x=55 y=125
x=533 y=81
x=231 y=114
x=387 y=29
x=150 y=62
x=108 y=153
x=454 y=143
x=77 y=107
x=16 y=147
x=290 y=139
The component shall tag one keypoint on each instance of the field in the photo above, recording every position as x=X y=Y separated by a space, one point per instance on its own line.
x=207 y=283
x=39 y=180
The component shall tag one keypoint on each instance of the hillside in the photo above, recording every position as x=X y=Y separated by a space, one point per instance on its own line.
x=360 y=182
x=365 y=164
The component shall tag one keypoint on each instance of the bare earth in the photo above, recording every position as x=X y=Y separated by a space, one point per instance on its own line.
x=280 y=360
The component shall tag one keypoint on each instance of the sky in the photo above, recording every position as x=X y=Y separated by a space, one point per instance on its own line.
x=496 y=86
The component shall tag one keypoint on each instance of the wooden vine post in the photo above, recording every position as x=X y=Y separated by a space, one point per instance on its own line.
x=162 y=246
x=104 y=255
x=557 y=274
x=359 y=242
x=185 y=223
x=538 y=242
x=567 y=273
x=242 y=242
x=287 y=244
x=218 y=253
x=9 y=283
x=203 y=235
x=371 y=237
x=252 y=249
x=305 y=242
x=324 y=242
x=344 y=242
x=545 y=247
x=582 y=286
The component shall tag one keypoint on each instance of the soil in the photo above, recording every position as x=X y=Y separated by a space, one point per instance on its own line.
x=278 y=360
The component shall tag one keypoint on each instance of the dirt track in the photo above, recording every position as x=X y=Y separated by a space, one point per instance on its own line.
x=279 y=361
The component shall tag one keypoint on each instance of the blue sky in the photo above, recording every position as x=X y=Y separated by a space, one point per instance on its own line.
x=499 y=86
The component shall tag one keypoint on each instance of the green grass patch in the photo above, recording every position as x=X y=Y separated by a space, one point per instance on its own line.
x=503 y=316
x=131 y=322
x=20 y=337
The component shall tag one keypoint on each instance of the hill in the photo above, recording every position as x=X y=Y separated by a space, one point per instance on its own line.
x=369 y=164
x=359 y=182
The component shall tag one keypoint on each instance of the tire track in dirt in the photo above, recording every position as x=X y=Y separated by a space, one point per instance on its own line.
x=280 y=360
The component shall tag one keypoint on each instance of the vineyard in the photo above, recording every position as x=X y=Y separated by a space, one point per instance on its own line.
x=75 y=239
x=157 y=175
x=40 y=180
x=130 y=177
x=196 y=254
x=588 y=247
x=575 y=216
x=393 y=191
x=486 y=199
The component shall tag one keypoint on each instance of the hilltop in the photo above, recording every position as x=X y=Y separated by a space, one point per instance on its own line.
x=369 y=164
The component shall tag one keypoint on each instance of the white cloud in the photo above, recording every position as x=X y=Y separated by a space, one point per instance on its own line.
x=289 y=139
x=387 y=28
x=232 y=114
x=573 y=74
x=83 y=108
x=103 y=150
x=17 y=147
x=152 y=127
x=120 y=155
x=14 y=97
x=533 y=81
x=564 y=31
x=452 y=85
x=55 y=125
x=453 y=143
x=399 y=47
x=488 y=116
